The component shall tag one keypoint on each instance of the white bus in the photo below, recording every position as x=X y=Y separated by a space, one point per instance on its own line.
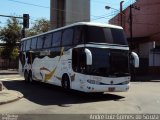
x=85 y=56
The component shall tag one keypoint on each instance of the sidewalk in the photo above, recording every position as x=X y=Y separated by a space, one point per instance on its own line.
x=8 y=72
x=7 y=96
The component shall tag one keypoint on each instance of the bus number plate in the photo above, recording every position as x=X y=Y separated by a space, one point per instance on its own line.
x=111 y=89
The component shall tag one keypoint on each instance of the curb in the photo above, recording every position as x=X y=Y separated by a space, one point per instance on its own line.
x=17 y=96
x=9 y=73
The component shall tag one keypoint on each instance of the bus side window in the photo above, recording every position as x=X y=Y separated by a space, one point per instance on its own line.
x=67 y=37
x=56 y=39
x=78 y=35
x=47 y=40
x=40 y=42
x=22 y=44
x=34 y=42
x=28 y=44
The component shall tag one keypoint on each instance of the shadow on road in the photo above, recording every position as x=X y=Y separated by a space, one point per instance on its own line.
x=146 y=78
x=45 y=94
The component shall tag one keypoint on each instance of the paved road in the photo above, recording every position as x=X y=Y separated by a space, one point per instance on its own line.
x=40 y=98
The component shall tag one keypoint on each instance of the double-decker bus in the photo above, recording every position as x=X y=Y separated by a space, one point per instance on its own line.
x=85 y=56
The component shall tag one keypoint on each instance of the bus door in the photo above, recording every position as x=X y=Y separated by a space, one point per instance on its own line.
x=79 y=65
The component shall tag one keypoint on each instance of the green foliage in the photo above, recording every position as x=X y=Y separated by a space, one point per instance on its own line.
x=14 y=54
x=39 y=26
x=10 y=34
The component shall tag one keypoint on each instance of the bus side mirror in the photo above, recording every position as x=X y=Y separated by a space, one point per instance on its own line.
x=88 y=56
x=135 y=59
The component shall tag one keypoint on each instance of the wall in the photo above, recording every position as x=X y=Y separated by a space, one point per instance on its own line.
x=77 y=10
x=64 y=12
x=145 y=20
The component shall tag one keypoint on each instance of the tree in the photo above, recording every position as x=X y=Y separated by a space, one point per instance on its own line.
x=11 y=34
x=39 y=26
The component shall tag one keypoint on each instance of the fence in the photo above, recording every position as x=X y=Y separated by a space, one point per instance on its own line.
x=8 y=64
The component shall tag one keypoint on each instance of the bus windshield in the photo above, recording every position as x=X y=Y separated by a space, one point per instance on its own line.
x=105 y=35
x=110 y=62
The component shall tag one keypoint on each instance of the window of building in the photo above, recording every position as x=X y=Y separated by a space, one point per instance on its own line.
x=67 y=37
x=56 y=39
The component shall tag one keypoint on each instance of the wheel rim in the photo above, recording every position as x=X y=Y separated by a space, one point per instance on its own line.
x=65 y=84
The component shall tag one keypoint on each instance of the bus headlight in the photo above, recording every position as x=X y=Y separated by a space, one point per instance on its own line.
x=124 y=83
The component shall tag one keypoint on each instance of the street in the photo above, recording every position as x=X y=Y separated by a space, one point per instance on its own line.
x=40 y=98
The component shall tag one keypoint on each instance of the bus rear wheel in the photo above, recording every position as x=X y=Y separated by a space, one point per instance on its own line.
x=28 y=76
x=65 y=82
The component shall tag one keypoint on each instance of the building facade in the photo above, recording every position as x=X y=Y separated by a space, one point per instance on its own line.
x=146 y=32
x=64 y=12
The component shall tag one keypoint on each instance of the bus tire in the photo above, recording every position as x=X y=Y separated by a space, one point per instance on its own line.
x=30 y=77
x=65 y=82
x=26 y=76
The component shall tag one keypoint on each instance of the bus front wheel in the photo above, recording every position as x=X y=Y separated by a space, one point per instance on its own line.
x=65 y=82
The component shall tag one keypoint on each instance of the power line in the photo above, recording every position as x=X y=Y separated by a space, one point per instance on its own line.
x=46 y=7
x=29 y=4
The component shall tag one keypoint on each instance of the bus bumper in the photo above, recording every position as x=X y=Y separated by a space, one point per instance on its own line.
x=107 y=88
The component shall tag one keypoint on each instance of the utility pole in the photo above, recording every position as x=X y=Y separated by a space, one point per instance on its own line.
x=25 y=24
x=130 y=17
x=131 y=21
x=121 y=12
x=25 y=21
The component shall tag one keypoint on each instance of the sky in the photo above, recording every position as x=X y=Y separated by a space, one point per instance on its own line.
x=41 y=9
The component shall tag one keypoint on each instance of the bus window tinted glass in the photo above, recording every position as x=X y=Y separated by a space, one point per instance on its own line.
x=22 y=44
x=56 y=39
x=47 y=41
x=78 y=35
x=105 y=35
x=95 y=34
x=40 y=42
x=118 y=36
x=67 y=37
x=34 y=42
x=28 y=44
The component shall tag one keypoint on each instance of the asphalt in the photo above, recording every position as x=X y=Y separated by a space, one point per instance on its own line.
x=7 y=96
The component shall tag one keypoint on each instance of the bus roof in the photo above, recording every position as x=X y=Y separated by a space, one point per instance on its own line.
x=76 y=24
